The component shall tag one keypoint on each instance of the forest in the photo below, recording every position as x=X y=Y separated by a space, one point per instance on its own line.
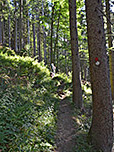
x=56 y=75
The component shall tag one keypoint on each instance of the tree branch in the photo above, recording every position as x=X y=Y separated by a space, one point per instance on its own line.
x=105 y=16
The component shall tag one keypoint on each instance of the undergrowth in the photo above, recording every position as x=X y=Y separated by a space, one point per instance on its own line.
x=29 y=100
x=28 y=104
x=83 y=120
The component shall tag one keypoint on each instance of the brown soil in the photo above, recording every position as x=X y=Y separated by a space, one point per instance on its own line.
x=65 y=138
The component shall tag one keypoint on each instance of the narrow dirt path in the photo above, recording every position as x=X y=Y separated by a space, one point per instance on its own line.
x=65 y=139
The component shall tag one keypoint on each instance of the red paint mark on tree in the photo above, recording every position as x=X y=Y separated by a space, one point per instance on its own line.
x=96 y=59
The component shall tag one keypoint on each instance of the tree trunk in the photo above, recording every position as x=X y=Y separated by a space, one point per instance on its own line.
x=57 y=35
x=15 y=34
x=3 y=24
x=111 y=59
x=28 y=30
x=44 y=36
x=101 y=130
x=65 y=58
x=113 y=74
x=66 y=62
x=52 y=20
x=108 y=24
x=0 y=30
x=77 y=90
x=45 y=47
x=3 y=31
x=21 y=25
x=40 y=53
x=34 y=38
x=38 y=43
x=28 y=24
x=38 y=40
x=9 y=31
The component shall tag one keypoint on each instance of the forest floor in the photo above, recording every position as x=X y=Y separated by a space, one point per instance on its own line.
x=66 y=128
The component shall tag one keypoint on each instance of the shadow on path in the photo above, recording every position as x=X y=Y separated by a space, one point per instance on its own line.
x=65 y=138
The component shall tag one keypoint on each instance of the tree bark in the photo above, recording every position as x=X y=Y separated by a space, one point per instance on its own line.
x=57 y=35
x=101 y=131
x=44 y=37
x=21 y=26
x=34 y=38
x=9 y=31
x=15 y=34
x=52 y=20
x=77 y=90
x=111 y=59
x=3 y=23
x=0 y=30
x=108 y=24
x=28 y=30
x=66 y=62
x=3 y=31
x=38 y=40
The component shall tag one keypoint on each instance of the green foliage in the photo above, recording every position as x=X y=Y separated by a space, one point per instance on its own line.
x=7 y=50
x=83 y=120
x=87 y=95
x=42 y=11
x=28 y=104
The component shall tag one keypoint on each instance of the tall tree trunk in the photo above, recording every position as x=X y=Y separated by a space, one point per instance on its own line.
x=101 y=130
x=65 y=58
x=44 y=36
x=38 y=40
x=3 y=32
x=57 y=66
x=111 y=59
x=21 y=25
x=112 y=55
x=28 y=30
x=66 y=62
x=15 y=34
x=48 y=48
x=45 y=46
x=52 y=20
x=77 y=90
x=57 y=34
x=34 y=38
x=0 y=24
x=3 y=24
x=38 y=43
x=0 y=30
x=9 y=31
x=108 y=24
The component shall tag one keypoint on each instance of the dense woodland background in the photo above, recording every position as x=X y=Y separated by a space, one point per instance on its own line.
x=77 y=38
x=41 y=29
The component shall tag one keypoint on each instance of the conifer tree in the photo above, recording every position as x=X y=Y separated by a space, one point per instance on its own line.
x=101 y=131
